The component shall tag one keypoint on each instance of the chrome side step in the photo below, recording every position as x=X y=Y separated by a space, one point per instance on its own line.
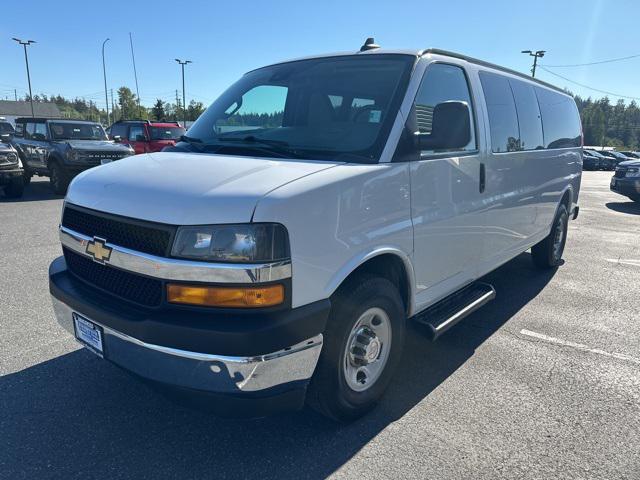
x=443 y=315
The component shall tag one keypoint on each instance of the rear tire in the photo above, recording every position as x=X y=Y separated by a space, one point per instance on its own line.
x=58 y=178
x=362 y=346
x=548 y=253
x=15 y=189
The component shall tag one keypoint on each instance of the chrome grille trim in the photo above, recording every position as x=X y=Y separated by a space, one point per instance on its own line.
x=177 y=269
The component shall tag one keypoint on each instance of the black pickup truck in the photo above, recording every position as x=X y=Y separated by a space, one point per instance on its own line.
x=60 y=149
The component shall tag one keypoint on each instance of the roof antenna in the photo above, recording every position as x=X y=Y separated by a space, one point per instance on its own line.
x=369 y=44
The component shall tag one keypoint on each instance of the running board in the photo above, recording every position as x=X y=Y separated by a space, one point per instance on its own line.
x=443 y=315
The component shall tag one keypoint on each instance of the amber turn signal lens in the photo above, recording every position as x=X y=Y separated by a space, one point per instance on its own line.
x=233 y=297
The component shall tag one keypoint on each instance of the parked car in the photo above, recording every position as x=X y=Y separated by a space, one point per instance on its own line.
x=631 y=155
x=611 y=159
x=592 y=160
x=146 y=136
x=626 y=180
x=10 y=167
x=60 y=149
x=261 y=266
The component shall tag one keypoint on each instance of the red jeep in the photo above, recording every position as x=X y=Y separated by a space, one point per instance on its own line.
x=145 y=136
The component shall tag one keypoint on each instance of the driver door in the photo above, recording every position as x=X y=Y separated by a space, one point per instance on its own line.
x=446 y=193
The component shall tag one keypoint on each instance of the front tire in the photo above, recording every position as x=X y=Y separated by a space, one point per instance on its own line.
x=58 y=178
x=15 y=189
x=548 y=253
x=362 y=346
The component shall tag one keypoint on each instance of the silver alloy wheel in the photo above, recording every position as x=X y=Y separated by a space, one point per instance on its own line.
x=368 y=348
x=558 y=238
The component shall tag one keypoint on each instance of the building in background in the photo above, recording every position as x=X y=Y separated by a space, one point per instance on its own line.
x=11 y=110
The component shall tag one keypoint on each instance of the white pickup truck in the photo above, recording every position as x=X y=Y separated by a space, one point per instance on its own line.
x=276 y=253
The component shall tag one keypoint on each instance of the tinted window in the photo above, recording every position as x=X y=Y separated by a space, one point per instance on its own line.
x=503 y=120
x=134 y=131
x=529 y=119
x=441 y=83
x=36 y=131
x=560 y=119
x=19 y=130
x=5 y=128
x=166 y=133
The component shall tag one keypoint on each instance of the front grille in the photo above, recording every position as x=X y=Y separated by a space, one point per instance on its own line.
x=620 y=172
x=130 y=286
x=146 y=237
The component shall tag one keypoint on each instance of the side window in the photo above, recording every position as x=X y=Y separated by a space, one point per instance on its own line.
x=260 y=107
x=36 y=131
x=442 y=83
x=19 y=130
x=529 y=119
x=560 y=119
x=134 y=131
x=501 y=107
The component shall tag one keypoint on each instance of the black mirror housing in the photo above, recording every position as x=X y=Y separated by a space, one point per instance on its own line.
x=450 y=128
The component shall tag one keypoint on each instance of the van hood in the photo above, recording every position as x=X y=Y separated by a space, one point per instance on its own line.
x=91 y=145
x=186 y=188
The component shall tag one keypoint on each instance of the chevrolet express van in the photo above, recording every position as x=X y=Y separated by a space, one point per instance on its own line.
x=277 y=252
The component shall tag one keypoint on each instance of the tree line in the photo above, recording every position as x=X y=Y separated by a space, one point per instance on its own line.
x=604 y=123
x=125 y=107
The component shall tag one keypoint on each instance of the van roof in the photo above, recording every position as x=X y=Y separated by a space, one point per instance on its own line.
x=427 y=51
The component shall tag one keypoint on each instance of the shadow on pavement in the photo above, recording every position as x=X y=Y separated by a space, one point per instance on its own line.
x=630 y=207
x=77 y=415
x=36 y=191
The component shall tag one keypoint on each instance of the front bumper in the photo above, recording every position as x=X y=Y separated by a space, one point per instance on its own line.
x=7 y=175
x=627 y=186
x=230 y=385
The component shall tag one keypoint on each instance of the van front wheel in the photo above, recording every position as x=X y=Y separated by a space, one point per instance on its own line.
x=362 y=346
x=548 y=253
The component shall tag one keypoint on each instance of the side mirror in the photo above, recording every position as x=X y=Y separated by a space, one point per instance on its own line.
x=450 y=128
x=141 y=138
x=5 y=138
x=117 y=138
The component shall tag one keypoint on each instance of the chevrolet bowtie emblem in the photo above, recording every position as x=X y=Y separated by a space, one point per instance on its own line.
x=98 y=250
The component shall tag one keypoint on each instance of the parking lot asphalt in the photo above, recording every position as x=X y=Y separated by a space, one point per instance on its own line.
x=543 y=382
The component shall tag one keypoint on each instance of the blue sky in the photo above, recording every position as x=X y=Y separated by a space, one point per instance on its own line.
x=225 y=39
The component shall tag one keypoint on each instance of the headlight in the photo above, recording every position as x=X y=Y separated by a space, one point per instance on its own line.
x=633 y=172
x=244 y=243
x=9 y=157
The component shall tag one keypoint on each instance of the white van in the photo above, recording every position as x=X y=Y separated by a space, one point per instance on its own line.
x=277 y=252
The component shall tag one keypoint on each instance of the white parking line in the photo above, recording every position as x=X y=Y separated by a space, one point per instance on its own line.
x=578 y=346
x=634 y=263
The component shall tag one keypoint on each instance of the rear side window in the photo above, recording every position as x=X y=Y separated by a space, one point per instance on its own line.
x=529 y=119
x=560 y=119
x=503 y=119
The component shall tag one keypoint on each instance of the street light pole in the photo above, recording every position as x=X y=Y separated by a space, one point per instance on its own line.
x=184 y=100
x=104 y=74
x=26 y=60
x=535 y=55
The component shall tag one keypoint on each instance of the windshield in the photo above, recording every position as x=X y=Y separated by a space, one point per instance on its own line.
x=5 y=128
x=166 y=133
x=323 y=108
x=77 y=131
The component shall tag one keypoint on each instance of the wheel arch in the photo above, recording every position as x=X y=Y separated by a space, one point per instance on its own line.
x=387 y=262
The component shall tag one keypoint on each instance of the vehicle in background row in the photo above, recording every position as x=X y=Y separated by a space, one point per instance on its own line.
x=616 y=157
x=60 y=149
x=593 y=160
x=10 y=167
x=145 y=136
x=277 y=252
x=631 y=155
x=626 y=180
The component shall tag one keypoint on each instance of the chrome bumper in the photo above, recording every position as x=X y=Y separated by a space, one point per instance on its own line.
x=200 y=371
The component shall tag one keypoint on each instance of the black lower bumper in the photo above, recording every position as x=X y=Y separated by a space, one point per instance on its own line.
x=238 y=333
x=9 y=175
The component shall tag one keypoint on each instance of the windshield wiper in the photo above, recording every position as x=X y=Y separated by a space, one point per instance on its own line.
x=278 y=146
